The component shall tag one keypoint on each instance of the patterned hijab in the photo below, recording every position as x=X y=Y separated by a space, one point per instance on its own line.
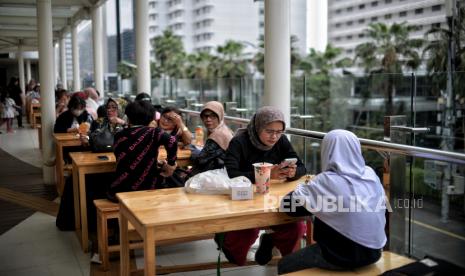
x=222 y=135
x=260 y=119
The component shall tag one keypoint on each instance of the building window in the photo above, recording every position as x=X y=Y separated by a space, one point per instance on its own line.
x=262 y=11
x=338 y=11
x=349 y=37
x=349 y=9
x=361 y=7
x=388 y=16
x=374 y=4
x=361 y=35
x=349 y=51
x=361 y=21
x=403 y=14
x=261 y=24
x=338 y=25
x=374 y=19
x=418 y=11
x=436 y=25
x=436 y=8
x=349 y=23
x=387 y=1
x=338 y=38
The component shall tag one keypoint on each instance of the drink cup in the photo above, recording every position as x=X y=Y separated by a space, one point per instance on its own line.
x=262 y=176
x=84 y=128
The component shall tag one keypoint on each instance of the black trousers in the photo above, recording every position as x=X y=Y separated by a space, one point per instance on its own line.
x=20 y=116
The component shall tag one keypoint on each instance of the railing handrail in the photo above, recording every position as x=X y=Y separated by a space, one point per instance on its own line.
x=440 y=155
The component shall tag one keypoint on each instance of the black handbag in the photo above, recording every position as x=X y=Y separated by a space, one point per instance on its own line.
x=102 y=140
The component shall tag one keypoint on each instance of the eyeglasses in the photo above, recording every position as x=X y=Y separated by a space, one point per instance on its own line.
x=271 y=132
x=166 y=118
x=209 y=115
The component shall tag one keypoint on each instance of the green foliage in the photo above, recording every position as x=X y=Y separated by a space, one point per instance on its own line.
x=389 y=51
x=125 y=71
x=169 y=54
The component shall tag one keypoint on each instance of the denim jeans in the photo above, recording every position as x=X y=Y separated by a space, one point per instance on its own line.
x=307 y=257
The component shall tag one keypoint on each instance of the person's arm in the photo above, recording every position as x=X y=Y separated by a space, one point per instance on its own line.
x=186 y=135
x=291 y=205
x=232 y=162
x=171 y=147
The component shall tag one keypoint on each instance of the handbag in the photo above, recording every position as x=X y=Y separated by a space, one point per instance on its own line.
x=101 y=140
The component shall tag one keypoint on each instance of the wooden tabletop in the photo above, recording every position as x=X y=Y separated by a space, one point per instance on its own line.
x=156 y=207
x=65 y=136
x=91 y=158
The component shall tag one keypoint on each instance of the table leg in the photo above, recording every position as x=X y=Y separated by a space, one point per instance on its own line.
x=124 y=245
x=77 y=212
x=83 y=204
x=149 y=253
x=59 y=168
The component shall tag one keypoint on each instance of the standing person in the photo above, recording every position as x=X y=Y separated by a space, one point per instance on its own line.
x=218 y=137
x=8 y=110
x=347 y=239
x=262 y=141
x=136 y=150
x=17 y=95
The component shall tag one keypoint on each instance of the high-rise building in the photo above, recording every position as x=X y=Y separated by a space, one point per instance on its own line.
x=347 y=19
x=205 y=24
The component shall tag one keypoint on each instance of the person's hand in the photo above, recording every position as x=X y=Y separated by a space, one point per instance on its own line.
x=115 y=120
x=153 y=124
x=84 y=139
x=167 y=170
x=277 y=173
x=177 y=119
x=289 y=171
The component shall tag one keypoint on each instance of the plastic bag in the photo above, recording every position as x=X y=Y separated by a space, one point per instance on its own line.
x=214 y=182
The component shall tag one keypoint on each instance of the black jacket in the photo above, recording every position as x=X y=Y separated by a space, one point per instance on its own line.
x=65 y=121
x=241 y=154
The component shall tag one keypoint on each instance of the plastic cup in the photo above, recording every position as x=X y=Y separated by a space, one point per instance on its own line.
x=262 y=177
x=84 y=128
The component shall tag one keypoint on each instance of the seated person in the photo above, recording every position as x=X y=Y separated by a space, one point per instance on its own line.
x=344 y=240
x=147 y=98
x=262 y=141
x=69 y=120
x=218 y=137
x=136 y=151
x=110 y=120
x=171 y=122
x=62 y=100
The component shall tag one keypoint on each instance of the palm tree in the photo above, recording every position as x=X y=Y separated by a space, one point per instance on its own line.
x=436 y=53
x=259 y=58
x=389 y=52
x=318 y=66
x=199 y=65
x=230 y=64
x=169 y=54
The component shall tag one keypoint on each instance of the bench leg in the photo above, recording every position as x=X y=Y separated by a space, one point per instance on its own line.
x=102 y=234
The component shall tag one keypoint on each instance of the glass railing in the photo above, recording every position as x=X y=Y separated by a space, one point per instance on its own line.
x=425 y=188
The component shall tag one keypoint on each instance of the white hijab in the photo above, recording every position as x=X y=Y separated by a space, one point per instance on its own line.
x=344 y=175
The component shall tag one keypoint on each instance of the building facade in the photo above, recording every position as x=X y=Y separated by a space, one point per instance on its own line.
x=205 y=24
x=347 y=19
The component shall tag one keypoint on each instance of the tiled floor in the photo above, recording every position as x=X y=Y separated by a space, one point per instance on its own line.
x=37 y=247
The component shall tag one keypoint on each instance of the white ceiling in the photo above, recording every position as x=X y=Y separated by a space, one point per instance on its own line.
x=18 y=20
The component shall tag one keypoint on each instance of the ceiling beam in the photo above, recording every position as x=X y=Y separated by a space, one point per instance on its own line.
x=27 y=20
x=6 y=34
x=54 y=2
x=32 y=11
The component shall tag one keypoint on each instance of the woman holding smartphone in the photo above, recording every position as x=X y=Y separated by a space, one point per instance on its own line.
x=262 y=141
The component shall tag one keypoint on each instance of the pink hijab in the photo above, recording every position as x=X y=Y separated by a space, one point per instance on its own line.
x=222 y=135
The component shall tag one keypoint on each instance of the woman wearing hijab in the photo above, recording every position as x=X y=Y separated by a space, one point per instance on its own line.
x=219 y=135
x=344 y=239
x=262 y=141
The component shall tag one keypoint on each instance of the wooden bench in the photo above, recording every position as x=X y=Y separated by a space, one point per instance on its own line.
x=108 y=210
x=35 y=119
x=387 y=262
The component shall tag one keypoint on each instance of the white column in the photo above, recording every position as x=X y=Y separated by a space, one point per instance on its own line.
x=28 y=71
x=142 y=47
x=97 y=38
x=22 y=82
x=75 y=46
x=278 y=56
x=47 y=99
x=64 y=79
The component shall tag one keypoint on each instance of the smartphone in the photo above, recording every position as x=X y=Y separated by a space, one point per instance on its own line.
x=287 y=162
x=102 y=157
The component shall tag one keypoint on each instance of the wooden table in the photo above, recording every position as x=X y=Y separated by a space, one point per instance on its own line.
x=171 y=213
x=63 y=140
x=89 y=163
